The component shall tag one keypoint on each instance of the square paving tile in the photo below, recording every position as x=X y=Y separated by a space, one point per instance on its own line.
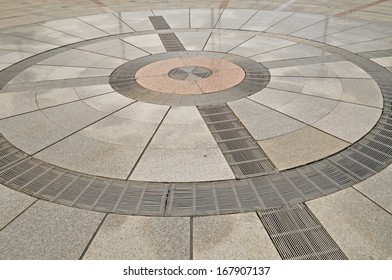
x=231 y=237
x=31 y=132
x=14 y=103
x=361 y=228
x=12 y=203
x=91 y=156
x=141 y=238
x=378 y=188
x=48 y=231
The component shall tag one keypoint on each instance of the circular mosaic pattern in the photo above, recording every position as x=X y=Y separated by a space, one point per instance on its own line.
x=232 y=77
x=96 y=128
x=189 y=73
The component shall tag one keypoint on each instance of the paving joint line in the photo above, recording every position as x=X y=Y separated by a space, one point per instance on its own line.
x=148 y=143
x=93 y=237
x=20 y=214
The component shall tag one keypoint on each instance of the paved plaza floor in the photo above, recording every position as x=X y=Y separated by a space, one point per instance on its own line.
x=196 y=129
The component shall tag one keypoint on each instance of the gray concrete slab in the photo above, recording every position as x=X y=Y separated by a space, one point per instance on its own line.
x=15 y=43
x=49 y=231
x=42 y=33
x=235 y=18
x=91 y=156
x=347 y=69
x=137 y=20
x=204 y=18
x=349 y=122
x=51 y=97
x=141 y=238
x=14 y=103
x=89 y=91
x=193 y=41
x=108 y=103
x=182 y=129
x=81 y=58
x=178 y=18
x=362 y=91
x=12 y=203
x=263 y=122
x=75 y=27
x=296 y=22
x=225 y=41
x=290 y=52
x=108 y=23
x=265 y=19
x=143 y=112
x=115 y=48
x=260 y=44
x=313 y=70
x=150 y=43
x=231 y=237
x=373 y=45
x=328 y=88
x=73 y=116
x=308 y=109
x=384 y=61
x=273 y=98
x=129 y=133
x=378 y=188
x=9 y=56
x=294 y=84
x=329 y=26
x=182 y=165
x=31 y=132
x=361 y=228
x=300 y=147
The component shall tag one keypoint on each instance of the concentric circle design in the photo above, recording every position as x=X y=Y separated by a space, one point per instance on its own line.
x=80 y=123
x=189 y=73
x=146 y=79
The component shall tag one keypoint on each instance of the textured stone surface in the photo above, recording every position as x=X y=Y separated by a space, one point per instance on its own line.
x=362 y=229
x=140 y=238
x=49 y=231
x=240 y=236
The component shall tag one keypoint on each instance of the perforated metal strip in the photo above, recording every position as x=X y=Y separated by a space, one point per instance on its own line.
x=243 y=154
x=298 y=235
x=169 y=40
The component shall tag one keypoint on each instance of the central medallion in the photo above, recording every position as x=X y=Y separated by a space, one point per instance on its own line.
x=189 y=73
x=189 y=78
